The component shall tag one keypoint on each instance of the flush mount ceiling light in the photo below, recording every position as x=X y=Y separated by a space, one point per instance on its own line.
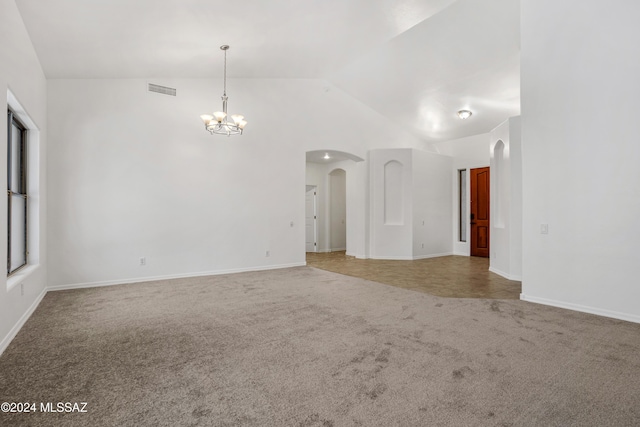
x=217 y=123
x=464 y=114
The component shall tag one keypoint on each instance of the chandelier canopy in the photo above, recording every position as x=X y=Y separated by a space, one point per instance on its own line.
x=217 y=122
x=464 y=114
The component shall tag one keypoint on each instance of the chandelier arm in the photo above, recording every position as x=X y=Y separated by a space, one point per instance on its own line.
x=224 y=128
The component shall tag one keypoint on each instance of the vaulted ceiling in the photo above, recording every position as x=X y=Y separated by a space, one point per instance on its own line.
x=416 y=62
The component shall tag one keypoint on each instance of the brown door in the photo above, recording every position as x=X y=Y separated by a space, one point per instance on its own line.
x=480 y=212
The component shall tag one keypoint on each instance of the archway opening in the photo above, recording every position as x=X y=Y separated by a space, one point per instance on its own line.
x=339 y=188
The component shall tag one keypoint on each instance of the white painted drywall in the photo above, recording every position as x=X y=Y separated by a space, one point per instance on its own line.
x=358 y=208
x=580 y=148
x=353 y=127
x=426 y=196
x=431 y=204
x=473 y=62
x=506 y=200
x=20 y=72
x=135 y=174
x=393 y=195
x=390 y=241
x=466 y=153
x=338 y=210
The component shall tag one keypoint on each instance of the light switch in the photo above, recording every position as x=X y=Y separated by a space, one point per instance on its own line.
x=544 y=228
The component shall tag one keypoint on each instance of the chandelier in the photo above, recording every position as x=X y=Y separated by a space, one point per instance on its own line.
x=217 y=123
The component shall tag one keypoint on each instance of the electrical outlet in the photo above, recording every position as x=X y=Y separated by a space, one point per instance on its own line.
x=143 y=260
x=544 y=228
x=267 y=254
x=423 y=246
x=21 y=289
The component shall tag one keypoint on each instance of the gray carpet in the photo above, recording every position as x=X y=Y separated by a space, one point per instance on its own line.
x=305 y=347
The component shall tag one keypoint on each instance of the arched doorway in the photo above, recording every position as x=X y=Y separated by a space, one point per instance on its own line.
x=336 y=182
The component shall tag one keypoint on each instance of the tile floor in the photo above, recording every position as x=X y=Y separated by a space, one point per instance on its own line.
x=449 y=276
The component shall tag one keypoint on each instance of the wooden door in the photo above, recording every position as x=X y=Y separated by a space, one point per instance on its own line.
x=480 y=212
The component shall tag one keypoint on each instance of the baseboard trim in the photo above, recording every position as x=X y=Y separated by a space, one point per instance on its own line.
x=171 y=276
x=505 y=275
x=20 y=323
x=582 y=308
x=411 y=258
x=337 y=249
x=433 y=255
x=399 y=258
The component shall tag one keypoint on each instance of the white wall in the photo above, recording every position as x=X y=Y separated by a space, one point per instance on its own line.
x=506 y=200
x=425 y=197
x=467 y=153
x=358 y=208
x=330 y=119
x=135 y=174
x=432 y=205
x=580 y=147
x=338 y=210
x=391 y=241
x=20 y=72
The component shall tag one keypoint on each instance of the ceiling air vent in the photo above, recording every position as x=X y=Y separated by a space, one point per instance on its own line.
x=162 y=89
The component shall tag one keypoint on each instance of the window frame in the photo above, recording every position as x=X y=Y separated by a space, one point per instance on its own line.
x=22 y=188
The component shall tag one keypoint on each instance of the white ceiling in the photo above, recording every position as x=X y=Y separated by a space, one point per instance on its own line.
x=414 y=61
x=330 y=156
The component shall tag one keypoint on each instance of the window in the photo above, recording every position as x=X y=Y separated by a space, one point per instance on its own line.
x=462 y=205
x=17 y=194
